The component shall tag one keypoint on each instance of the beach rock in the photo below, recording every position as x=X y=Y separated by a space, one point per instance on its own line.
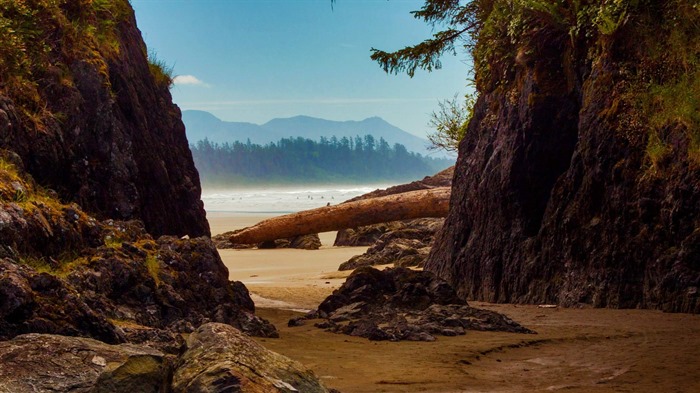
x=50 y=363
x=111 y=139
x=421 y=228
x=129 y=288
x=402 y=304
x=39 y=302
x=220 y=358
x=402 y=243
x=362 y=236
x=303 y=242
x=178 y=285
x=306 y=242
x=559 y=196
x=35 y=227
x=65 y=272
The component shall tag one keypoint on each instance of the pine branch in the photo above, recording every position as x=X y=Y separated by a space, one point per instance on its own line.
x=425 y=55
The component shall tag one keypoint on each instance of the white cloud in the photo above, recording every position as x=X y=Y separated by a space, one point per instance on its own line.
x=189 y=80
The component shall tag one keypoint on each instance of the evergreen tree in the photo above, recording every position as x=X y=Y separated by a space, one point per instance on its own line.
x=293 y=160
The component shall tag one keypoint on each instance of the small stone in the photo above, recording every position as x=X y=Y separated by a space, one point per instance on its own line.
x=99 y=360
x=298 y=321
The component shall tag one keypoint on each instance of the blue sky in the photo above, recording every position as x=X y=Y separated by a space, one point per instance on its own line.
x=255 y=60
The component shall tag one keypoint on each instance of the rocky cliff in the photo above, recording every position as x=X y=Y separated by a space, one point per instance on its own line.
x=95 y=174
x=91 y=118
x=578 y=180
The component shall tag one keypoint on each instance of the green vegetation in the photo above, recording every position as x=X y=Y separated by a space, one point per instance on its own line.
x=161 y=71
x=304 y=160
x=34 y=35
x=450 y=122
x=24 y=192
x=153 y=267
x=13 y=188
x=655 y=43
x=60 y=267
x=665 y=88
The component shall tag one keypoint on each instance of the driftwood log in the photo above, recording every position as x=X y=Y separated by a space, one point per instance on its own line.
x=408 y=205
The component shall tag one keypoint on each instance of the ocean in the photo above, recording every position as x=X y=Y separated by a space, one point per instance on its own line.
x=281 y=200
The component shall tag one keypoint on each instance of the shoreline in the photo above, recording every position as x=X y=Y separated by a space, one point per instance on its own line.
x=283 y=278
x=574 y=350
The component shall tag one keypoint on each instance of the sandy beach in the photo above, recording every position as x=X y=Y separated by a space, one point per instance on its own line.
x=284 y=278
x=575 y=350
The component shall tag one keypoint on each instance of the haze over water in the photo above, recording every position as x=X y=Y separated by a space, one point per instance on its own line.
x=281 y=199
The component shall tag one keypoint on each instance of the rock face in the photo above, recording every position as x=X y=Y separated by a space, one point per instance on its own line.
x=403 y=243
x=48 y=363
x=303 y=242
x=221 y=359
x=64 y=272
x=136 y=289
x=555 y=198
x=402 y=304
x=110 y=138
x=218 y=358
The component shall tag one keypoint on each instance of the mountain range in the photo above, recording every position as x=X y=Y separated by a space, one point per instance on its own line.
x=201 y=125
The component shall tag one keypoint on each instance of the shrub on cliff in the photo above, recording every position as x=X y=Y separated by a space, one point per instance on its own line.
x=90 y=118
x=578 y=181
x=658 y=41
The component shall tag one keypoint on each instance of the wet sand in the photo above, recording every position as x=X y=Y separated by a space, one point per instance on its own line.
x=575 y=350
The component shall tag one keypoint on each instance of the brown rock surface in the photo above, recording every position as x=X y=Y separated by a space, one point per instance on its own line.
x=303 y=242
x=401 y=304
x=63 y=272
x=220 y=358
x=42 y=363
x=402 y=243
x=109 y=137
x=555 y=196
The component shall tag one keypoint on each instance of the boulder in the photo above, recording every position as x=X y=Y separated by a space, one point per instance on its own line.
x=402 y=243
x=304 y=242
x=50 y=363
x=402 y=304
x=131 y=288
x=219 y=358
x=39 y=302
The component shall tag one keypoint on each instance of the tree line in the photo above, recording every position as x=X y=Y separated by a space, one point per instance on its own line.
x=293 y=160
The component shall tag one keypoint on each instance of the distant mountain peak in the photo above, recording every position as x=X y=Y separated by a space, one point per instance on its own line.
x=202 y=115
x=200 y=126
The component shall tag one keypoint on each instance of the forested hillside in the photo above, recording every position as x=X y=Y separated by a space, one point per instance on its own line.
x=201 y=125
x=293 y=160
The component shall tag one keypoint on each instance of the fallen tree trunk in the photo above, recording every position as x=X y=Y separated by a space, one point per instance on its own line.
x=408 y=205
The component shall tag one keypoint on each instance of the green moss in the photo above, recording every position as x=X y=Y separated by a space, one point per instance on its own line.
x=656 y=44
x=665 y=86
x=153 y=267
x=41 y=265
x=36 y=36
x=162 y=72
x=113 y=242
x=656 y=151
x=60 y=267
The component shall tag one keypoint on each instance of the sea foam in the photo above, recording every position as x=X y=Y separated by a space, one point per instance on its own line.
x=281 y=200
